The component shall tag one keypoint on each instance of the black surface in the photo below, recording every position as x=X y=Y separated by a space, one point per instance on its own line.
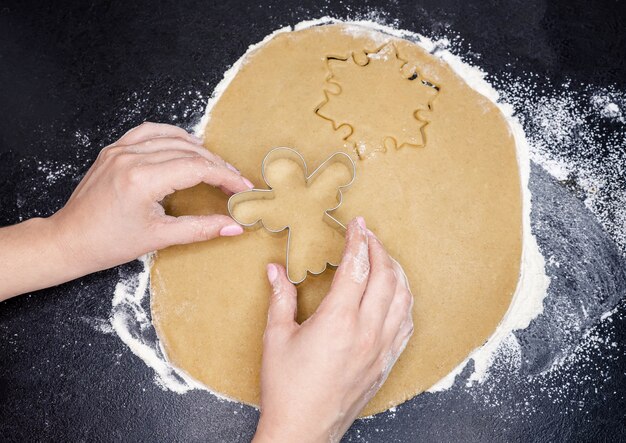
x=74 y=77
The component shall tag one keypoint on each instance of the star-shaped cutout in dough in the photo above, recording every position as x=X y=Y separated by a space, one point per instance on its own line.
x=379 y=97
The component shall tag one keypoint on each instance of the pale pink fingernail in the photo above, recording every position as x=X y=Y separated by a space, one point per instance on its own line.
x=247 y=182
x=196 y=140
x=231 y=230
x=361 y=222
x=232 y=168
x=272 y=272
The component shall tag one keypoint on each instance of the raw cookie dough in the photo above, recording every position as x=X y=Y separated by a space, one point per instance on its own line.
x=449 y=211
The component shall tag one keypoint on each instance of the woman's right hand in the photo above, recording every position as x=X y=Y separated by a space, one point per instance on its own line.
x=317 y=377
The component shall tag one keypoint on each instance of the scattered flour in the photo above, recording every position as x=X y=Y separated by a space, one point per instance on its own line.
x=54 y=170
x=130 y=319
x=579 y=137
x=610 y=106
x=99 y=324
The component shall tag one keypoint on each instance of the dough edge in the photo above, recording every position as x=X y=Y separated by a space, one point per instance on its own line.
x=527 y=300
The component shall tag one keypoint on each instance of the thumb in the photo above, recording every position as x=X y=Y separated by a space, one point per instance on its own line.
x=195 y=228
x=283 y=300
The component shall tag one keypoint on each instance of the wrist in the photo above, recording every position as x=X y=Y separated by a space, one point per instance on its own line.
x=266 y=432
x=67 y=246
x=32 y=258
x=287 y=430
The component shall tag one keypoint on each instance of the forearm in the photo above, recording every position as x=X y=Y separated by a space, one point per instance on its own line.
x=33 y=256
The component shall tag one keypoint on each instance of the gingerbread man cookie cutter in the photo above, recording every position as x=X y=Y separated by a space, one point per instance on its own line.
x=258 y=194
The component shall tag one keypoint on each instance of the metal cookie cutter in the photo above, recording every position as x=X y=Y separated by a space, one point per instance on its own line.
x=259 y=194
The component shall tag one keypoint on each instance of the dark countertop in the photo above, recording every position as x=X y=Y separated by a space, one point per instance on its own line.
x=74 y=77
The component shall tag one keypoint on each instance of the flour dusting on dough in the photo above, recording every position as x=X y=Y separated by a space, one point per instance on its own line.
x=130 y=314
x=361 y=264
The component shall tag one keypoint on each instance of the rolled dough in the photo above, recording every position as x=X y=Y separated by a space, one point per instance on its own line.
x=447 y=205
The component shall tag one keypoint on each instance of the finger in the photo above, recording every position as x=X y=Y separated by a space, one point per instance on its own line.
x=162 y=156
x=283 y=300
x=400 y=306
x=402 y=337
x=148 y=130
x=353 y=272
x=381 y=286
x=400 y=311
x=190 y=229
x=167 y=143
x=182 y=173
x=171 y=144
x=148 y=151
x=148 y=156
x=402 y=278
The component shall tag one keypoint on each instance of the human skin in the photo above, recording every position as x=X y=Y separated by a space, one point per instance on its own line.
x=315 y=377
x=114 y=215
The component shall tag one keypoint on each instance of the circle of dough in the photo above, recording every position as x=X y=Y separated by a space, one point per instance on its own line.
x=449 y=212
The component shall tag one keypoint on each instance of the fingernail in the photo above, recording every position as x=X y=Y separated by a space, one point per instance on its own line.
x=248 y=183
x=272 y=272
x=361 y=222
x=232 y=168
x=196 y=140
x=231 y=230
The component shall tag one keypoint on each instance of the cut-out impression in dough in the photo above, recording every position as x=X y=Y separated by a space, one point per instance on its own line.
x=301 y=203
x=450 y=212
x=363 y=85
